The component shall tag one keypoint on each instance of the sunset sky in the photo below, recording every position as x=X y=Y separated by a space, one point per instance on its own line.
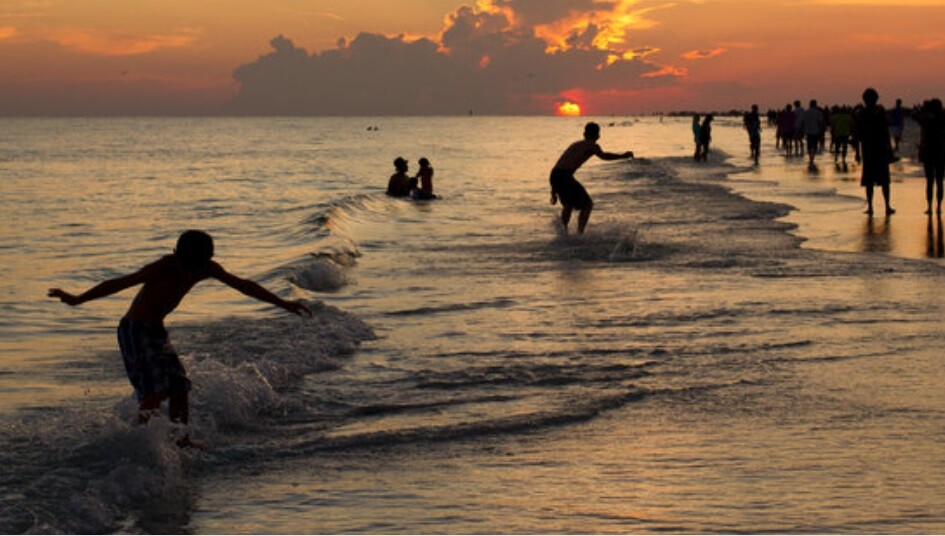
x=377 y=57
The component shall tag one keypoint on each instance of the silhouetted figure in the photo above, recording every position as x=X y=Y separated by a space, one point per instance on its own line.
x=705 y=139
x=855 y=135
x=425 y=176
x=813 y=126
x=841 y=126
x=400 y=185
x=932 y=151
x=152 y=364
x=798 y=145
x=873 y=133
x=566 y=188
x=897 y=122
x=696 y=127
x=752 y=123
x=786 y=128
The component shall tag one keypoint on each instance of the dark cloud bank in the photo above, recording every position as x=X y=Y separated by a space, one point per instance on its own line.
x=483 y=64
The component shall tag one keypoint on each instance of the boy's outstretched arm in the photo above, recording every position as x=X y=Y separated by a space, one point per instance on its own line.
x=255 y=290
x=105 y=288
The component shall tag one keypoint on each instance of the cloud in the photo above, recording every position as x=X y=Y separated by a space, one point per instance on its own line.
x=486 y=59
x=7 y=32
x=109 y=44
x=24 y=9
x=704 y=54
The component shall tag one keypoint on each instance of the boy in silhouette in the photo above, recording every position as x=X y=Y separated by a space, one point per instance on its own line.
x=563 y=184
x=152 y=364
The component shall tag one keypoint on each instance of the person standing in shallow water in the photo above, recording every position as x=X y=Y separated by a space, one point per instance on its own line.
x=153 y=366
x=705 y=139
x=932 y=151
x=696 y=128
x=752 y=123
x=565 y=188
x=873 y=134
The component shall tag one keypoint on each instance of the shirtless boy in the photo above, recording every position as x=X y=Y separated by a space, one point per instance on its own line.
x=152 y=364
x=563 y=184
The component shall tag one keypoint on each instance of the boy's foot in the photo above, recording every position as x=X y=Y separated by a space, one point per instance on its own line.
x=868 y=212
x=890 y=211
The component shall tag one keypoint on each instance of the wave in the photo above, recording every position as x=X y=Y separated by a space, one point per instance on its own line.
x=88 y=469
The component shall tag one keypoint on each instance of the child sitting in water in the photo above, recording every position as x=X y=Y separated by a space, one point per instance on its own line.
x=425 y=176
x=152 y=364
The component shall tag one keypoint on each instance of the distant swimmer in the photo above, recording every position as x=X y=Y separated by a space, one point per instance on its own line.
x=566 y=188
x=425 y=178
x=152 y=364
x=400 y=185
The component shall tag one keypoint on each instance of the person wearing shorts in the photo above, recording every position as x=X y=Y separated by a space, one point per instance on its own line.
x=152 y=364
x=153 y=367
x=566 y=188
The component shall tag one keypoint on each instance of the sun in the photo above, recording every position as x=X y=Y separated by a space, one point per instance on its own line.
x=569 y=108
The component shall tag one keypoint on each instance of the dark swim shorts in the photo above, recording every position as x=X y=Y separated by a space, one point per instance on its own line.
x=569 y=190
x=151 y=362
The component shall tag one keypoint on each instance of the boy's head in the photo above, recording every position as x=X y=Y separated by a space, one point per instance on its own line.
x=400 y=164
x=870 y=96
x=423 y=162
x=194 y=249
x=592 y=131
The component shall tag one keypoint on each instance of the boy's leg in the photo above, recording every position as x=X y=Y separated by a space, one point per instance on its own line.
x=583 y=217
x=566 y=215
x=149 y=406
x=178 y=406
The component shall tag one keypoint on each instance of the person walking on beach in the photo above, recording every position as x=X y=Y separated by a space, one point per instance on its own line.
x=813 y=126
x=566 y=188
x=152 y=364
x=798 y=144
x=897 y=122
x=841 y=126
x=786 y=129
x=705 y=138
x=400 y=185
x=932 y=151
x=752 y=123
x=696 y=128
x=876 y=151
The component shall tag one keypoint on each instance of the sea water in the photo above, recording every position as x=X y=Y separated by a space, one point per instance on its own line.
x=729 y=348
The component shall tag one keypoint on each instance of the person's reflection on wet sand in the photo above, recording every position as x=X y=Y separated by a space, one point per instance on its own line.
x=877 y=235
x=935 y=244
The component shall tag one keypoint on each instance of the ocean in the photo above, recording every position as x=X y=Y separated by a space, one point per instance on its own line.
x=729 y=348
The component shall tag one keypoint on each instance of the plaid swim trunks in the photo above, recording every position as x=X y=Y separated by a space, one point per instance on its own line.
x=151 y=362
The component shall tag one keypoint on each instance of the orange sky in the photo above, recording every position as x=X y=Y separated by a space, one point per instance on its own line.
x=117 y=57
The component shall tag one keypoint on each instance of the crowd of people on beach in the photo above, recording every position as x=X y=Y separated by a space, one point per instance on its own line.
x=869 y=130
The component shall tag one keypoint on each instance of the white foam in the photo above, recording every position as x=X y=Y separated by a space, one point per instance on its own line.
x=324 y=275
